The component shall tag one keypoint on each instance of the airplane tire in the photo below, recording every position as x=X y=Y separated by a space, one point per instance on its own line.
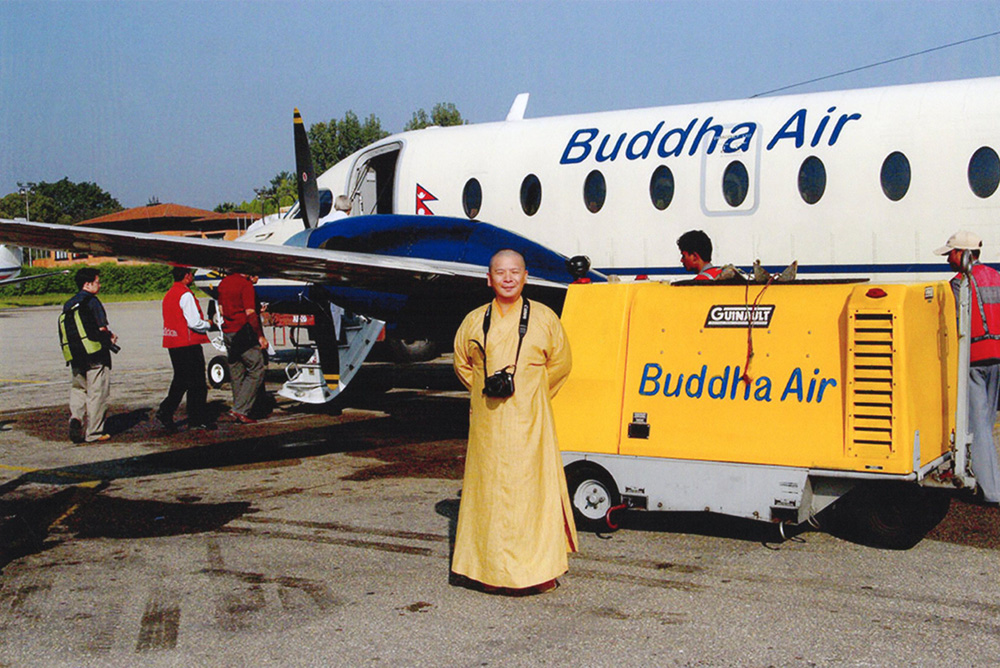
x=592 y=492
x=409 y=351
x=218 y=371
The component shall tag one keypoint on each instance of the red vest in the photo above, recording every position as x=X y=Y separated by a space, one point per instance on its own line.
x=708 y=274
x=985 y=315
x=176 y=333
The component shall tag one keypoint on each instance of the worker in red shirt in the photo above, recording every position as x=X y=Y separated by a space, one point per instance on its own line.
x=184 y=329
x=696 y=255
x=984 y=358
x=245 y=342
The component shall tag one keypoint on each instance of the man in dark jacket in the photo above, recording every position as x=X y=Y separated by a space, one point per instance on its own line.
x=87 y=344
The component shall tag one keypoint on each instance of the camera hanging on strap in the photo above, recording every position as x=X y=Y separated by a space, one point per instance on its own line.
x=501 y=384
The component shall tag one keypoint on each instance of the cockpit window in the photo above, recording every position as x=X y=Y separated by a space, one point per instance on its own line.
x=325 y=205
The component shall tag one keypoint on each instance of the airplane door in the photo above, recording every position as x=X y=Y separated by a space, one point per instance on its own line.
x=373 y=179
x=730 y=170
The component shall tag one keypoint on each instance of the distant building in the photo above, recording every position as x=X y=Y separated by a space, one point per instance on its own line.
x=173 y=219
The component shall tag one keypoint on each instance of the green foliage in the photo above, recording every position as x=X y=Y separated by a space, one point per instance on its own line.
x=116 y=279
x=443 y=114
x=41 y=208
x=76 y=201
x=331 y=142
x=62 y=202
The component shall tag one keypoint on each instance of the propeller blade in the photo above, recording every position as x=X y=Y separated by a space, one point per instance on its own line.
x=305 y=176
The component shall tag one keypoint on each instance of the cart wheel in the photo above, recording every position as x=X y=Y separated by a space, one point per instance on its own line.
x=895 y=516
x=218 y=371
x=593 y=492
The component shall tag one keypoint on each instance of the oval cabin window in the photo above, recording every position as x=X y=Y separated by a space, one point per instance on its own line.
x=812 y=179
x=531 y=194
x=984 y=172
x=895 y=176
x=735 y=183
x=661 y=187
x=594 y=191
x=472 y=198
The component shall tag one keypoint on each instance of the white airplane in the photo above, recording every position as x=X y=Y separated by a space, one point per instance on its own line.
x=852 y=183
x=11 y=261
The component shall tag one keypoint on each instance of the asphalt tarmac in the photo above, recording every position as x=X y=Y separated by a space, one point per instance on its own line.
x=324 y=539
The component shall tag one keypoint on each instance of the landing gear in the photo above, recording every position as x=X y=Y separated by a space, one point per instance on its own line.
x=410 y=351
x=218 y=371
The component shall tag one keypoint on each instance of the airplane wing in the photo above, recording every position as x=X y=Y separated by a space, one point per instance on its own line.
x=408 y=275
x=21 y=279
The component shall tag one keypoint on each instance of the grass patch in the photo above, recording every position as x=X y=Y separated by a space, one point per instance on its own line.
x=56 y=299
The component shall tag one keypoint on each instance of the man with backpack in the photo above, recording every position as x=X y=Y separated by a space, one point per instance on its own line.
x=87 y=344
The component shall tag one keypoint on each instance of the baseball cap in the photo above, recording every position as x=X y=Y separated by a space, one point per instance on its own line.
x=962 y=240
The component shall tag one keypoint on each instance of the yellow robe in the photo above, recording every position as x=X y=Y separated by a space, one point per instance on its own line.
x=515 y=522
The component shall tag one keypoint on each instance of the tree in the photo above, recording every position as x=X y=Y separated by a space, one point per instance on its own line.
x=153 y=201
x=41 y=208
x=284 y=189
x=331 y=142
x=73 y=202
x=443 y=114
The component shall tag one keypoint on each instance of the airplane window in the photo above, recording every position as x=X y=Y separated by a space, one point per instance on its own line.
x=472 y=198
x=594 y=191
x=984 y=172
x=531 y=194
x=661 y=187
x=895 y=176
x=812 y=179
x=735 y=183
x=325 y=203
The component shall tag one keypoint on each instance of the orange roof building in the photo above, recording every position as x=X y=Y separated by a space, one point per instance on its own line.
x=173 y=218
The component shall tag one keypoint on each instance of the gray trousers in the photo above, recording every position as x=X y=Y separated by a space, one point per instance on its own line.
x=247 y=377
x=88 y=398
x=984 y=386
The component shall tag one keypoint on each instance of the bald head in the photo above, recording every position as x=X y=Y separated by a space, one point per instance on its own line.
x=507 y=276
x=507 y=254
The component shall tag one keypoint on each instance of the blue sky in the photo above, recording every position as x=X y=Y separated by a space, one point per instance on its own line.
x=191 y=102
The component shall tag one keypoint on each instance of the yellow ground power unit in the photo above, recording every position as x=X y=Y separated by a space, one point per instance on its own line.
x=764 y=402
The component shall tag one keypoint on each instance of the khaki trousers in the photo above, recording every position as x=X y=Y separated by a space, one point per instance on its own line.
x=88 y=398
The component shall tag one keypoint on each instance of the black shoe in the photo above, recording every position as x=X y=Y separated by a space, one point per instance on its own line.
x=166 y=422
x=75 y=430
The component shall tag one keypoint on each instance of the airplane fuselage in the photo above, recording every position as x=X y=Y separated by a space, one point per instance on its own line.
x=858 y=182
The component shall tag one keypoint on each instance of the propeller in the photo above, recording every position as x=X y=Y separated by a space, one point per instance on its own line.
x=305 y=177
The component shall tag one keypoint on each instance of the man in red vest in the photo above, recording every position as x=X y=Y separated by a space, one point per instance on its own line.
x=984 y=358
x=696 y=255
x=184 y=329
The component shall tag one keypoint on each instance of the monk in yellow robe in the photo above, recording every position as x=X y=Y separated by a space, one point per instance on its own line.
x=515 y=522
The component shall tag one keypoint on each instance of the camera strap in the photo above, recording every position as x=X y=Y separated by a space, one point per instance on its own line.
x=522 y=329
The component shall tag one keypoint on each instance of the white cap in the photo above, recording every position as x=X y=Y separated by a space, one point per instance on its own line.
x=961 y=240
